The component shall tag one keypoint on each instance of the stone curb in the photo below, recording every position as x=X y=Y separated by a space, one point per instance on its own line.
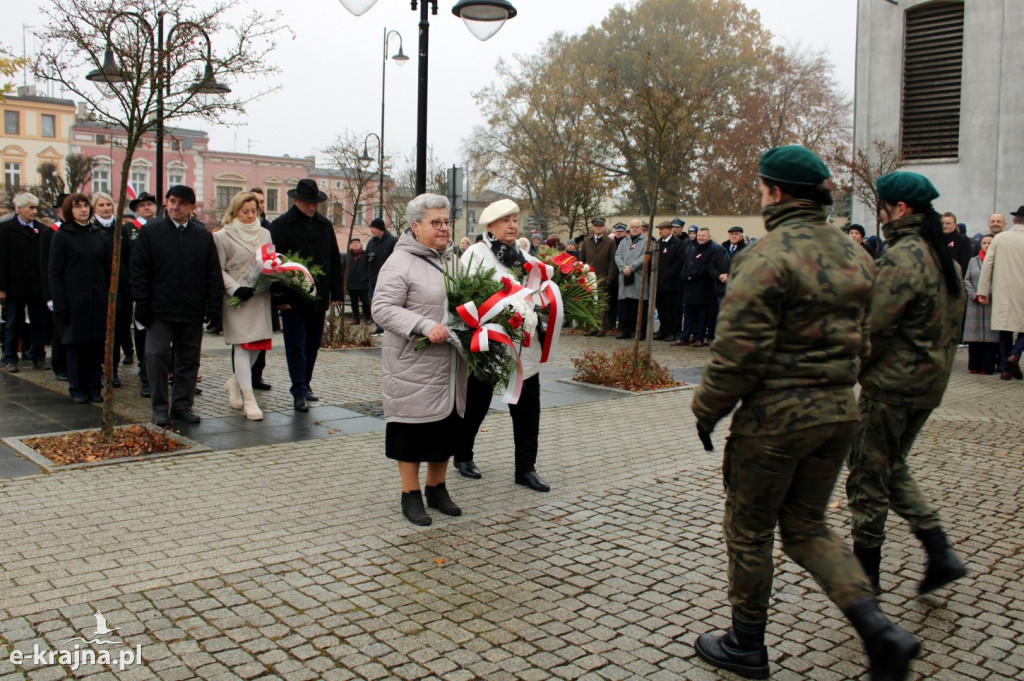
x=15 y=443
x=620 y=391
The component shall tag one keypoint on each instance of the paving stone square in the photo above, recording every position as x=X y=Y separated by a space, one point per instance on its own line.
x=291 y=560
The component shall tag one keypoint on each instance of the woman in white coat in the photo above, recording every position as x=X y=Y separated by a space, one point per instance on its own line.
x=248 y=328
x=500 y=252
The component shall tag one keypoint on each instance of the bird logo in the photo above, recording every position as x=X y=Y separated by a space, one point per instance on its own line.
x=102 y=629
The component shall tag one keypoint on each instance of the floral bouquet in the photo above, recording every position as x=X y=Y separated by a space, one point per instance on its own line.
x=291 y=271
x=488 y=319
x=583 y=299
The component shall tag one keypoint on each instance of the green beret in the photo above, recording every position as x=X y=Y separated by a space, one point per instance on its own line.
x=906 y=187
x=793 y=164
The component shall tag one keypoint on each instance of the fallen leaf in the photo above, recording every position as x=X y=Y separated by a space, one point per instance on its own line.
x=440 y=561
x=331 y=432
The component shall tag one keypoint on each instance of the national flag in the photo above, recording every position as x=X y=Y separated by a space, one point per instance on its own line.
x=130 y=191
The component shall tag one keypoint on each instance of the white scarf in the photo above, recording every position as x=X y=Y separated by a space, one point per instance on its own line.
x=249 y=233
x=107 y=222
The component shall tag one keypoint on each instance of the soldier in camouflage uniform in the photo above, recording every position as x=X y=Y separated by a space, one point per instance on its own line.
x=915 y=323
x=789 y=344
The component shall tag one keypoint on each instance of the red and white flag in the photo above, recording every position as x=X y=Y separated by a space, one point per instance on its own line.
x=130 y=192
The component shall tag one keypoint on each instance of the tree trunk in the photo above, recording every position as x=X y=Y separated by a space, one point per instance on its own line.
x=107 y=418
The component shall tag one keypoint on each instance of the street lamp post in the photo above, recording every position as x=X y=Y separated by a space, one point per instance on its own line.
x=401 y=59
x=365 y=158
x=483 y=18
x=110 y=74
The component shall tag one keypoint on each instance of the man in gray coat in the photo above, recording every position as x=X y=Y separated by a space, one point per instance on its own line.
x=629 y=258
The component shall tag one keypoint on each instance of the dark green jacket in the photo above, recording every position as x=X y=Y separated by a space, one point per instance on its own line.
x=915 y=324
x=791 y=332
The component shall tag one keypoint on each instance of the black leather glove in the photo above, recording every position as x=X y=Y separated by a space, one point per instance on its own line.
x=143 y=314
x=244 y=293
x=705 y=438
x=212 y=319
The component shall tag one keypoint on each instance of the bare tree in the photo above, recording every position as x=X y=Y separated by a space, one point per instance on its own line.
x=145 y=73
x=857 y=170
x=79 y=170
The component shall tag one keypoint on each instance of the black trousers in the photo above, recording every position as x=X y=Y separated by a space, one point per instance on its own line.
x=85 y=368
x=140 y=352
x=627 y=316
x=58 y=351
x=354 y=298
x=15 y=323
x=525 y=421
x=173 y=346
x=670 y=309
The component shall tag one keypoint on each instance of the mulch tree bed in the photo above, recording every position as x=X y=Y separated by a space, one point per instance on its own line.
x=89 y=446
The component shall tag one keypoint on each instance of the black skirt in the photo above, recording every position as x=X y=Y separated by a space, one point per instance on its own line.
x=433 y=442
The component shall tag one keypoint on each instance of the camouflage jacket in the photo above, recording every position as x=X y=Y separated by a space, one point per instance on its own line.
x=915 y=324
x=791 y=332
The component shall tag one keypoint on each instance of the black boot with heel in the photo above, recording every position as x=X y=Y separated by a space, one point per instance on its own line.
x=412 y=508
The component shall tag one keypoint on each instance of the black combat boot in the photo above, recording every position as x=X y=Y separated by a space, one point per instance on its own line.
x=870 y=559
x=943 y=564
x=437 y=497
x=412 y=508
x=740 y=650
x=890 y=649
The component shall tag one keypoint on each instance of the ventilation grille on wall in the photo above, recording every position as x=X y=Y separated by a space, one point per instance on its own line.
x=932 y=68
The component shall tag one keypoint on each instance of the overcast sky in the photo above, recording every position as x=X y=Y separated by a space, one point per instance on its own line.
x=330 y=73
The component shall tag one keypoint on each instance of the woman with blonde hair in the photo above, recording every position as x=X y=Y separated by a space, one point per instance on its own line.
x=247 y=328
x=103 y=216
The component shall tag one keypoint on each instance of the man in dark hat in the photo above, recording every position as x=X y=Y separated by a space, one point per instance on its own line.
x=671 y=256
x=789 y=351
x=303 y=231
x=378 y=250
x=598 y=251
x=144 y=207
x=177 y=286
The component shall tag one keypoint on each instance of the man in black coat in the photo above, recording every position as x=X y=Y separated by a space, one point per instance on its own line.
x=177 y=286
x=731 y=248
x=357 y=278
x=598 y=251
x=144 y=208
x=671 y=256
x=959 y=245
x=378 y=250
x=21 y=283
x=303 y=231
x=704 y=263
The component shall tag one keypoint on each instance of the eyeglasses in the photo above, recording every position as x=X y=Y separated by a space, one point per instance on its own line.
x=438 y=224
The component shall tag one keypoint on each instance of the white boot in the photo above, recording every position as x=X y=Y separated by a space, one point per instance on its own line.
x=234 y=393
x=252 y=410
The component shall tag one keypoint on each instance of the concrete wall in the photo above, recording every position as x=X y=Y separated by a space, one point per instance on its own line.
x=988 y=176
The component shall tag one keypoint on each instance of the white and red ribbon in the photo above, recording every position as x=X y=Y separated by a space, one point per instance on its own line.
x=271 y=263
x=546 y=293
x=484 y=332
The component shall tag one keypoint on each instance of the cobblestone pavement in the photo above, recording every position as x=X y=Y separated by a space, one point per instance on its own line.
x=293 y=561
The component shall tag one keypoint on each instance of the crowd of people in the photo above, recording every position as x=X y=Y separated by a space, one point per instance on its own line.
x=795 y=320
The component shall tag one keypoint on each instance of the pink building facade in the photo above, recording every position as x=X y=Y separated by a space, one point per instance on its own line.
x=217 y=176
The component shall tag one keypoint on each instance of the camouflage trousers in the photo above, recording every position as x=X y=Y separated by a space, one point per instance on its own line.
x=786 y=480
x=879 y=476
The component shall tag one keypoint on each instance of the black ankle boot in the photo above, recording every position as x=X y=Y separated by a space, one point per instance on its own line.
x=437 y=497
x=412 y=508
x=943 y=564
x=740 y=650
x=870 y=558
x=890 y=649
